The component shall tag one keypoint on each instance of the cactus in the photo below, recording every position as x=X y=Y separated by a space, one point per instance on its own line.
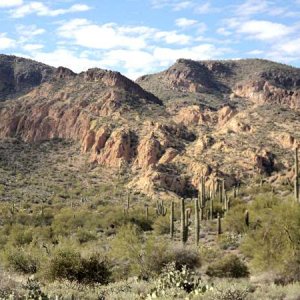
x=296 y=186
x=219 y=224
x=211 y=208
x=128 y=200
x=197 y=222
x=220 y=192
x=172 y=220
x=247 y=218
x=160 y=209
x=147 y=211
x=183 y=226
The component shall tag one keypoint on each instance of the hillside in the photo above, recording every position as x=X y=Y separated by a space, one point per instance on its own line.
x=177 y=186
x=19 y=75
x=221 y=119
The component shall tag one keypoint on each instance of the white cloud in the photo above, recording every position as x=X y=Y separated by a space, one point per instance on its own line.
x=29 y=31
x=263 y=30
x=10 y=3
x=204 y=8
x=182 y=5
x=184 y=22
x=171 y=37
x=5 y=42
x=255 y=52
x=251 y=7
x=223 y=31
x=41 y=9
x=32 y=47
x=105 y=36
x=66 y=58
x=112 y=36
x=176 y=5
x=291 y=47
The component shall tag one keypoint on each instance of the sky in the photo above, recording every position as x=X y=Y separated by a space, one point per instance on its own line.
x=138 y=37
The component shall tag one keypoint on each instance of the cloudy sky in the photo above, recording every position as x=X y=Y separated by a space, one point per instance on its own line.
x=137 y=37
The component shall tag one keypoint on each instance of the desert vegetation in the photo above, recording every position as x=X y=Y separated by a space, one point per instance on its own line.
x=224 y=244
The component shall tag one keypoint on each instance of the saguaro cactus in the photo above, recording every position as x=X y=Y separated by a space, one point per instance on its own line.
x=147 y=211
x=247 y=218
x=219 y=224
x=160 y=209
x=211 y=208
x=296 y=185
x=172 y=220
x=197 y=222
x=182 y=216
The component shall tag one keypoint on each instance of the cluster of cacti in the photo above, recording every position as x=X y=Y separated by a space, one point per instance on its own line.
x=161 y=210
x=296 y=185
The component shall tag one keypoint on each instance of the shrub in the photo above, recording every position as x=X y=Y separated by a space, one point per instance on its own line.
x=21 y=260
x=65 y=264
x=84 y=236
x=183 y=256
x=93 y=270
x=161 y=225
x=68 y=264
x=136 y=258
x=275 y=244
x=229 y=266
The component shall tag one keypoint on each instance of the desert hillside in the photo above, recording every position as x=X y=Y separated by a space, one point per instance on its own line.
x=218 y=119
x=180 y=185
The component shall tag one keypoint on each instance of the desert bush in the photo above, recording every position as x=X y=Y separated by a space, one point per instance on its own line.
x=69 y=264
x=208 y=253
x=229 y=240
x=21 y=235
x=184 y=256
x=275 y=244
x=161 y=225
x=135 y=256
x=21 y=260
x=229 y=266
x=84 y=236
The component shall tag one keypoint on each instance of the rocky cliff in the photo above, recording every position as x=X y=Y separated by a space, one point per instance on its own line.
x=229 y=119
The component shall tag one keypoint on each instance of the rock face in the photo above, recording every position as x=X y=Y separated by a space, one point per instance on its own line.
x=19 y=75
x=212 y=118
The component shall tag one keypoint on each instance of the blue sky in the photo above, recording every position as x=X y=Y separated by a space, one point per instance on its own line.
x=139 y=37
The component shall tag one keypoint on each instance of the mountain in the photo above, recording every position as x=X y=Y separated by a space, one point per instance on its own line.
x=19 y=75
x=228 y=119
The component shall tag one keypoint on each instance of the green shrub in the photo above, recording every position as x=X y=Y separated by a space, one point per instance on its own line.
x=162 y=225
x=21 y=260
x=68 y=264
x=183 y=256
x=84 y=236
x=21 y=235
x=64 y=264
x=275 y=244
x=229 y=266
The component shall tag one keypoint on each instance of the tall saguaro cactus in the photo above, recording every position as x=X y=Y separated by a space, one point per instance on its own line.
x=182 y=215
x=296 y=185
x=219 y=224
x=172 y=220
x=197 y=222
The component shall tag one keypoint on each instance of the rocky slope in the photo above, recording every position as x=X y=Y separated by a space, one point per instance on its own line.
x=19 y=75
x=229 y=119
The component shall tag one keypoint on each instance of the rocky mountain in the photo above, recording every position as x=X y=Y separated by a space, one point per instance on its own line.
x=229 y=119
x=19 y=75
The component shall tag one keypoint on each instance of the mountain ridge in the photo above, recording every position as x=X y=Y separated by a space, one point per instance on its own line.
x=219 y=119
